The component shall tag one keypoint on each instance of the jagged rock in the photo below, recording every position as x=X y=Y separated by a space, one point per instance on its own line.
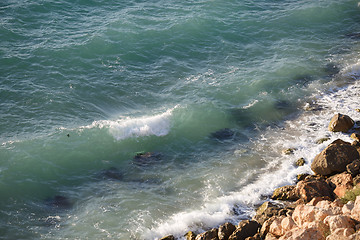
x=341 y=234
x=339 y=221
x=190 y=235
x=346 y=209
x=334 y=158
x=355 y=236
x=332 y=208
x=301 y=176
x=265 y=211
x=340 y=123
x=275 y=227
x=355 y=136
x=170 y=237
x=355 y=212
x=269 y=236
x=306 y=213
x=226 y=230
x=308 y=189
x=208 y=235
x=355 y=144
x=288 y=151
x=321 y=140
x=342 y=182
x=285 y=193
x=246 y=228
x=300 y=162
x=303 y=234
x=266 y=226
x=255 y=237
x=353 y=168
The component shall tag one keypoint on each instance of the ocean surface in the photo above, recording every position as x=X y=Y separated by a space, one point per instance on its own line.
x=142 y=118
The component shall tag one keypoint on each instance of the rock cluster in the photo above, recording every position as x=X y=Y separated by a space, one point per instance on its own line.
x=314 y=208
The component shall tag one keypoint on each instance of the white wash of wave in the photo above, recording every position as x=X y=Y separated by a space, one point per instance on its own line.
x=300 y=134
x=158 y=125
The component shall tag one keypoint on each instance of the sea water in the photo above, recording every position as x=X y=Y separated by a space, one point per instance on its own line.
x=214 y=90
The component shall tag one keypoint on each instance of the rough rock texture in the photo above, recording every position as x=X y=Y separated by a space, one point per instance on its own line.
x=341 y=234
x=346 y=209
x=340 y=123
x=355 y=212
x=355 y=136
x=353 y=168
x=226 y=230
x=342 y=182
x=285 y=193
x=334 y=158
x=255 y=237
x=265 y=228
x=266 y=211
x=339 y=221
x=306 y=213
x=275 y=227
x=311 y=188
x=190 y=235
x=303 y=234
x=208 y=235
x=245 y=229
x=300 y=162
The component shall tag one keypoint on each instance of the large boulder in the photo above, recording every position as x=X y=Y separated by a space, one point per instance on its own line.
x=303 y=234
x=334 y=158
x=311 y=188
x=340 y=123
x=267 y=210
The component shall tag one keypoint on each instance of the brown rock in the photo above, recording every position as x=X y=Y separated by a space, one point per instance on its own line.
x=301 y=176
x=342 y=183
x=308 y=189
x=340 y=123
x=170 y=237
x=288 y=151
x=355 y=144
x=305 y=213
x=190 y=235
x=266 y=226
x=334 y=158
x=300 y=162
x=355 y=136
x=226 y=230
x=353 y=168
x=285 y=193
x=208 y=235
x=321 y=140
x=269 y=236
x=246 y=228
x=255 y=237
x=346 y=209
x=265 y=211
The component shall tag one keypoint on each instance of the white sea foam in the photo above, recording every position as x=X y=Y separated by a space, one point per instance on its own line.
x=158 y=125
x=301 y=134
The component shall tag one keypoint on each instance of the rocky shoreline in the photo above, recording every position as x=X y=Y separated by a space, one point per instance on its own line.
x=323 y=206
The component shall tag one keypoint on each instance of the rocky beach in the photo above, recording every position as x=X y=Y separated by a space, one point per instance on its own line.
x=320 y=206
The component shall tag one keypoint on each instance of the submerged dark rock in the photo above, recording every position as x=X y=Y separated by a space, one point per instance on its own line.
x=332 y=69
x=111 y=173
x=146 y=158
x=223 y=134
x=58 y=201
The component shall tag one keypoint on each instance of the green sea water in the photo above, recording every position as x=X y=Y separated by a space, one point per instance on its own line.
x=87 y=85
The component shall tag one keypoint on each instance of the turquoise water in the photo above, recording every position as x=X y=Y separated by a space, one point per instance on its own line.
x=87 y=85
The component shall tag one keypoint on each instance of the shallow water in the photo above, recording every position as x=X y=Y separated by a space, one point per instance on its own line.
x=88 y=85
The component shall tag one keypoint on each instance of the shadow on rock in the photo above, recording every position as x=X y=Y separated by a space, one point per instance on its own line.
x=227 y=134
